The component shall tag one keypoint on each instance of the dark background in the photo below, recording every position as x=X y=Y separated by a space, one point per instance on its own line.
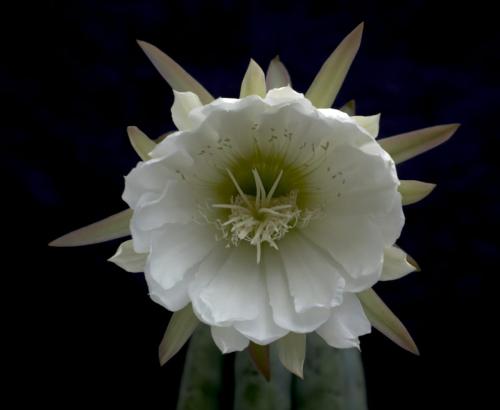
x=72 y=78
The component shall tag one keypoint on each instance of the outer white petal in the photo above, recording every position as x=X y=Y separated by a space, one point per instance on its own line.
x=184 y=103
x=369 y=123
x=347 y=322
x=227 y=286
x=396 y=264
x=226 y=105
x=126 y=258
x=261 y=330
x=284 y=313
x=351 y=131
x=146 y=177
x=391 y=223
x=355 y=243
x=292 y=352
x=228 y=339
x=353 y=182
x=177 y=248
x=285 y=95
x=174 y=298
x=141 y=239
x=313 y=281
x=176 y=204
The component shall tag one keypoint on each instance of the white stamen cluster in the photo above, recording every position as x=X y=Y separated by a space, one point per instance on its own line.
x=261 y=218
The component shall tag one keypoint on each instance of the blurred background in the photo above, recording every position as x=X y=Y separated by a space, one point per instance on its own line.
x=72 y=79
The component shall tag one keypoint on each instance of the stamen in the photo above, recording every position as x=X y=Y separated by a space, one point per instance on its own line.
x=230 y=206
x=238 y=188
x=275 y=185
x=261 y=218
x=259 y=186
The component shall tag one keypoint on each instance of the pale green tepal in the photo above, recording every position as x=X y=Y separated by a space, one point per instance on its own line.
x=269 y=218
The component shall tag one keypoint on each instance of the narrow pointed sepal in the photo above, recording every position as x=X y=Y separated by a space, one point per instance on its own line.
x=128 y=259
x=180 y=328
x=173 y=73
x=369 y=123
x=396 y=264
x=349 y=108
x=141 y=143
x=113 y=227
x=414 y=191
x=254 y=81
x=382 y=319
x=327 y=83
x=410 y=144
x=277 y=75
x=260 y=358
x=292 y=352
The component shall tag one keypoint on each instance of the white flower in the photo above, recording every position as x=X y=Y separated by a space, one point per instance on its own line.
x=267 y=215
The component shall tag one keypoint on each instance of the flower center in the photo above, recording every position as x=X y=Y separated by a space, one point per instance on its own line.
x=261 y=218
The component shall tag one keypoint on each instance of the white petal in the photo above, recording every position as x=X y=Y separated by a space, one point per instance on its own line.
x=175 y=205
x=181 y=326
x=284 y=313
x=284 y=95
x=176 y=249
x=355 y=243
x=354 y=182
x=396 y=264
x=173 y=299
x=391 y=223
x=228 y=339
x=141 y=239
x=126 y=258
x=292 y=352
x=369 y=123
x=148 y=177
x=204 y=274
x=313 y=281
x=261 y=330
x=184 y=103
x=230 y=289
x=347 y=322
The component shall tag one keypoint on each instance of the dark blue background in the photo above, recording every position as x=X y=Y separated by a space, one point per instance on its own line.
x=72 y=78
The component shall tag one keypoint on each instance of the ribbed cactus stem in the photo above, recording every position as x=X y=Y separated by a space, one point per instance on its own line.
x=202 y=377
x=333 y=379
x=254 y=392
